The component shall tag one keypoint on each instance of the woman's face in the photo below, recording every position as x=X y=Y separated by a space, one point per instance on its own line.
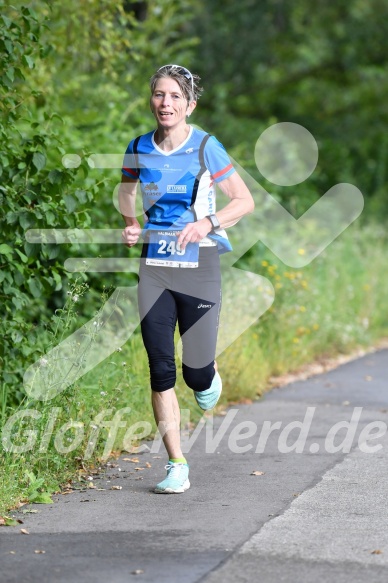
x=168 y=103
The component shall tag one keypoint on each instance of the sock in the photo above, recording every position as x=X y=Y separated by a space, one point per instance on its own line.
x=178 y=460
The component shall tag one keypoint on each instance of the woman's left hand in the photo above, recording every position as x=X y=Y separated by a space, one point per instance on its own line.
x=194 y=232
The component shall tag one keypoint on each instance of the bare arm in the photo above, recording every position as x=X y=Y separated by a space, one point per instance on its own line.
x=241 y=203
x=127 y=200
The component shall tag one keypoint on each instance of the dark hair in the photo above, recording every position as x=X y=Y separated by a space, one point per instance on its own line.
x=187 y=81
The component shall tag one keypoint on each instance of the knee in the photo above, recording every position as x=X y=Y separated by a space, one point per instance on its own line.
x=162 y=373
x=198 y=379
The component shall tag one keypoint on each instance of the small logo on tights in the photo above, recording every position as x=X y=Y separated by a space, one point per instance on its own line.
x=204 y=306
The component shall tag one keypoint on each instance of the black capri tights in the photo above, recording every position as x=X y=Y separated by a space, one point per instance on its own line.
x=191 y=297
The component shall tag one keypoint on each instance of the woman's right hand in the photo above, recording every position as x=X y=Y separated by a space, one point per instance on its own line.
x=131 y=234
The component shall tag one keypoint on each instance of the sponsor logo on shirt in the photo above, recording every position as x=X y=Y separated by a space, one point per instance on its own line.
x=176 y=188
x=151 y=190
x=151 y=186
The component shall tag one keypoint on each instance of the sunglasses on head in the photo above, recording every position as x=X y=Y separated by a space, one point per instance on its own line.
x=181 y=71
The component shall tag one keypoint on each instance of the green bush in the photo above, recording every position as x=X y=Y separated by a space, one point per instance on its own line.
x=33 y=194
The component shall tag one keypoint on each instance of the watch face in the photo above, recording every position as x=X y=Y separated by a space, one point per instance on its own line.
x=214 y=221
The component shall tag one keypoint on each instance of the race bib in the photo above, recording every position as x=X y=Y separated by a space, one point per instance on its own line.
x=163 y=250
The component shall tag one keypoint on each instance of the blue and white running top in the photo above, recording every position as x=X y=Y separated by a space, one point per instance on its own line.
x=178 y=186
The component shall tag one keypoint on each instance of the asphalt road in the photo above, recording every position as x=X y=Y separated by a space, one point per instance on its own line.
x=316 y=509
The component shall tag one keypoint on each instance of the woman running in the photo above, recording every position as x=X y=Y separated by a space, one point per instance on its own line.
x=183 y=234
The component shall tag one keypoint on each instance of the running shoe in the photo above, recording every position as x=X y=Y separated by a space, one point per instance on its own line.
x=177 y=480
x=208 y=399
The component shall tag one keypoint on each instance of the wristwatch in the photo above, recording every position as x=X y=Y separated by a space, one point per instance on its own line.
x=214 y=221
